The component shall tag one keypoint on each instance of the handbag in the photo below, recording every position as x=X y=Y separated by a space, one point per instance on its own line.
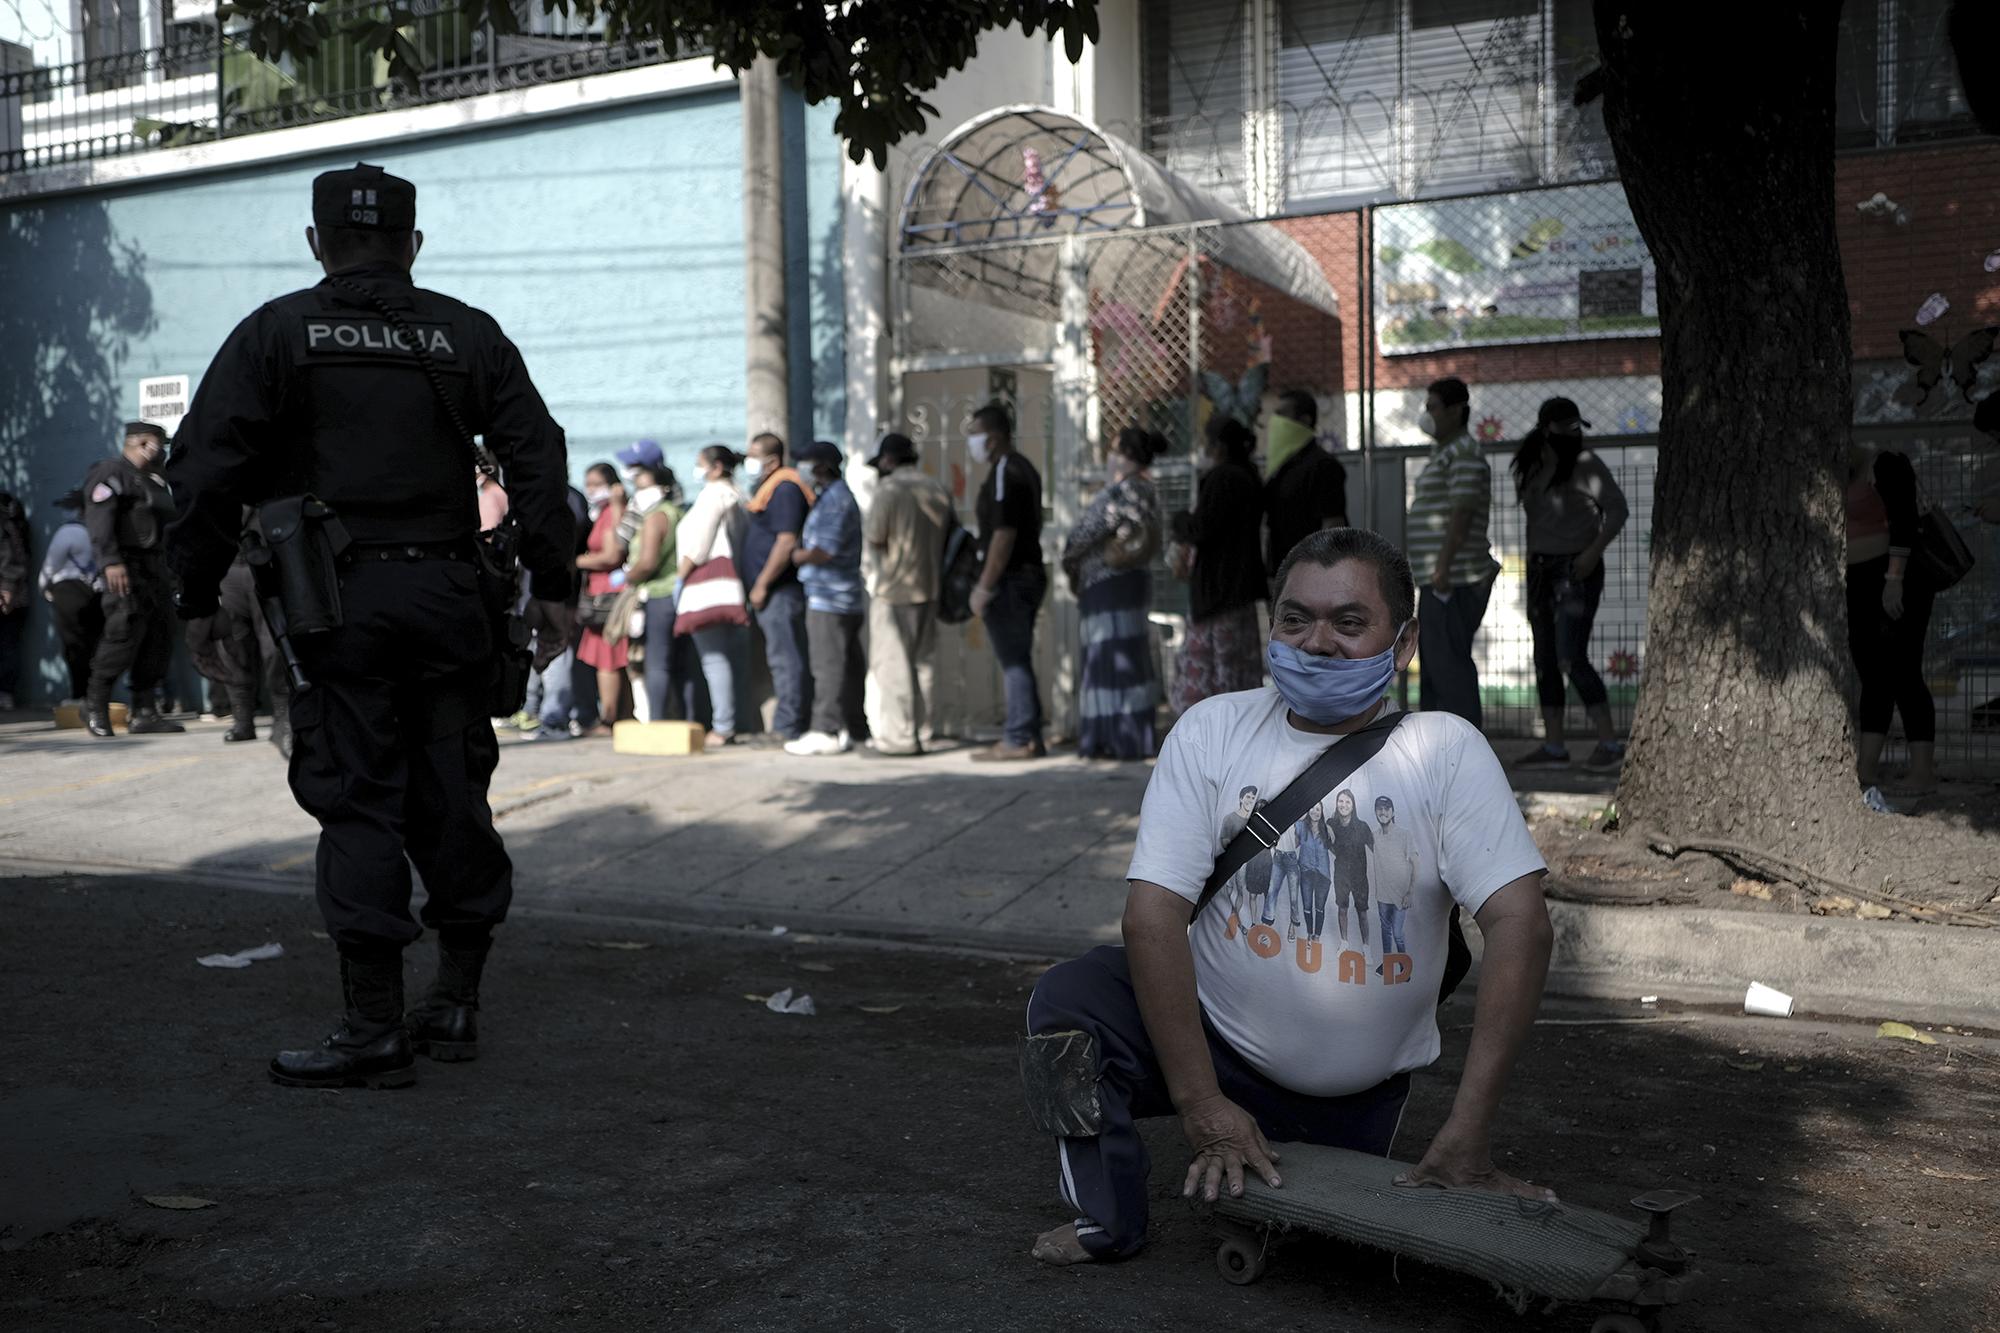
x=617 y=627
x=959 y=570
x=1132 y=546
x=594 y=610
x=1939 y=556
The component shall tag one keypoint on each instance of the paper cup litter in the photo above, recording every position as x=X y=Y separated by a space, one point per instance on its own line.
x=1761 y=999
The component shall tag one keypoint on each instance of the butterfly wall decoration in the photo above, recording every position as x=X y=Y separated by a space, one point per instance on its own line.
x=1934 y=361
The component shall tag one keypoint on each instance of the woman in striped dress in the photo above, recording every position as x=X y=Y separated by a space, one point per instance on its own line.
x=1108 y=558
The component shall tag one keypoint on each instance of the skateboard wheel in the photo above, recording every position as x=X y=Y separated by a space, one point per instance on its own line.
x=1240 y=1260
x=1618 y=1323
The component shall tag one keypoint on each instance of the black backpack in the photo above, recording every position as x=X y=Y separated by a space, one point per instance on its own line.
x=959 y=574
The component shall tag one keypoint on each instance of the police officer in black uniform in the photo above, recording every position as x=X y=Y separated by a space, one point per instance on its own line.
x=126 y=509
x=323 y=393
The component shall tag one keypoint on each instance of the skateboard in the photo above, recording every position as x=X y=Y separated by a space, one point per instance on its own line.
x=1632 y=1272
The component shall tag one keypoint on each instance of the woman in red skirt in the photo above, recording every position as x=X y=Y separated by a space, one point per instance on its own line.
x=604 y=561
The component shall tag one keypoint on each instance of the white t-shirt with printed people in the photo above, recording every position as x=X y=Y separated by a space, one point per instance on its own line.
x=1329 y=1015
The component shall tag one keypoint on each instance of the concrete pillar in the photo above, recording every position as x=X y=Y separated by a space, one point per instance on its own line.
x=864 y=255
x=767 y=371
x=1071 y=431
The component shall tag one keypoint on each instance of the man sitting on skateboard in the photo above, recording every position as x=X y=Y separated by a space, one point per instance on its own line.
x=1279 y=1042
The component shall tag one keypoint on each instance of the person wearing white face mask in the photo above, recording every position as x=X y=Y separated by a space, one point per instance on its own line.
x=1013 y=582
x=779 y=501
x=1247 y=1036
x=1446 y=535
x=603 y=563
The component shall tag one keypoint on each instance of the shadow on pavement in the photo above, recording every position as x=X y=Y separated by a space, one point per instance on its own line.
x=643 y=1144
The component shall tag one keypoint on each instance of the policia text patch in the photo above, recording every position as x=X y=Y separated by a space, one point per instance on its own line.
x=358 y=336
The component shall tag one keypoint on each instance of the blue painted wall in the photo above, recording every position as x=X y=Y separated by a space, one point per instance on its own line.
x=607 y=244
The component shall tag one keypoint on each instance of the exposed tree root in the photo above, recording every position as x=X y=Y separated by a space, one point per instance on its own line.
x=1770 y=865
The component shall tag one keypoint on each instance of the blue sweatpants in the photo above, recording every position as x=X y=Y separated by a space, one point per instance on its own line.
x=1103 y=1177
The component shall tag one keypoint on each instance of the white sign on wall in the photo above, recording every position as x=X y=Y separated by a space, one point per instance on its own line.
x=1556 y=265
x=163 y=400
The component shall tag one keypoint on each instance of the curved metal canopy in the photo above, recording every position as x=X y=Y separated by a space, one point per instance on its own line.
x=996 y=194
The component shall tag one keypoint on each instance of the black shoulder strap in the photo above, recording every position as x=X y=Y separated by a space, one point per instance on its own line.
x=422 y=354
x=1335 y=765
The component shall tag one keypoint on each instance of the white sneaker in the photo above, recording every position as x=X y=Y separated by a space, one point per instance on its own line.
x=817 y=743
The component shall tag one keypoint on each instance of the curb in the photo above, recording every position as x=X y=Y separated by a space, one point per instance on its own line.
x=1830 y=966
x=1834 y=966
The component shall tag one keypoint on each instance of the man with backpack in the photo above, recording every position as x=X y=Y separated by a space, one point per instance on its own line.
x=906 y=528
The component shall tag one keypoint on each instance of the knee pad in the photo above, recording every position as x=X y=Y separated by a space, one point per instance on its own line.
x=1059 y=1079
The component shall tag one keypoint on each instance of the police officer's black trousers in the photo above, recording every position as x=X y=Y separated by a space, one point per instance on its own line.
x=392 y=754
x=138 y=634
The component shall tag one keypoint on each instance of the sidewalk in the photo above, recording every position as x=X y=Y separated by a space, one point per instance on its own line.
x=1027 y=858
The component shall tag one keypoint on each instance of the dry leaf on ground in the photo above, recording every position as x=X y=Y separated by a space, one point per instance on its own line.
x=185 y=1203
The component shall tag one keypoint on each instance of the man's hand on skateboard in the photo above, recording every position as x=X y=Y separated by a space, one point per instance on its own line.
x=1458 y=1161
x=1225 y=1139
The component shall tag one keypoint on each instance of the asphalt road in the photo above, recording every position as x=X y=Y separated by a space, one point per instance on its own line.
x=641 y=1145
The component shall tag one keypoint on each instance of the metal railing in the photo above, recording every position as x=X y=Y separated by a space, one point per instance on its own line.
x=205 y=82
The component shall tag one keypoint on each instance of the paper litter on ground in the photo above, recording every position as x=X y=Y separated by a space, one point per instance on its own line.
x=783 y=1003
x=242 y=958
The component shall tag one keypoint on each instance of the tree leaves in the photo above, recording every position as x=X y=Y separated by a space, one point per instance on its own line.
x=875 y=58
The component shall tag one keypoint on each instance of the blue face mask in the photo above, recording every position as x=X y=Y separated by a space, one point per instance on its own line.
x=1326 y=690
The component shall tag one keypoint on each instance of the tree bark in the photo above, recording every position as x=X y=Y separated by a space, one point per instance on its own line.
x=1722 y=118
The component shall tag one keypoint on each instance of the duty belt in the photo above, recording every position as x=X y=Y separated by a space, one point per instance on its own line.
x=407 y=551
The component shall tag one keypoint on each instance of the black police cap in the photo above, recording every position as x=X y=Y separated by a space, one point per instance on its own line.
x=364 y=198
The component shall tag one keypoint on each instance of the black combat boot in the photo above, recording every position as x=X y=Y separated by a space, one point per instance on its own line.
x=443 y=1026
x=242 y=717
x=370 y=1048
x=147 y=721
x=97 y=714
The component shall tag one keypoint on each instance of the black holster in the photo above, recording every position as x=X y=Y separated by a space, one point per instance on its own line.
x=500 y=588
x=305 y=539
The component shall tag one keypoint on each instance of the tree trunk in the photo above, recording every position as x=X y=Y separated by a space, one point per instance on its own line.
x=1721 y=117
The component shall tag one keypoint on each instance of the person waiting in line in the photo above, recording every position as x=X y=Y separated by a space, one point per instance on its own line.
x=72 y=586
x=1217 y=554
x=1575 y=511
x=710 y=607
x=1014 y=580
x=778 y=510
x=1247 y=1046
x=1449 y=510
x=1986 y=508
x=603 y=563
x=549 y=711
x=234 y=650
x=16 y=561
x=906 y=528
x=1888 y=616
x=652 y=569
x=829 y=563
x=1306 y=486
x=1108 y=557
